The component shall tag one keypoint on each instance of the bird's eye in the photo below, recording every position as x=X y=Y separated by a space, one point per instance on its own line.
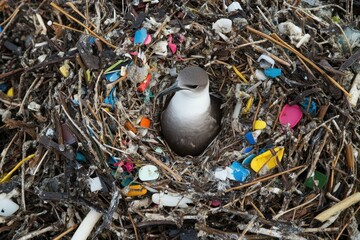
x=192 y=86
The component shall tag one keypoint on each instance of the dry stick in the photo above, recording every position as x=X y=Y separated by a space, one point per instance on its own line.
x=264 y=179
x=70 y=229
x=70 y=28
x=12 y=17
x=81 y=24
x=339 y=207
x=70 y=4
x=134 y=226
x=275 y=39
x=162 y=165
x=347 y=224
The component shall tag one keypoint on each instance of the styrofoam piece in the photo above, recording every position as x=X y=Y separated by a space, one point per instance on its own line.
x=7 y=207
x=223 y=25
x=160 y=48
x=234 y=6
x=95 y=184
x=148 y=173
x=221 y=174
x=171 y=200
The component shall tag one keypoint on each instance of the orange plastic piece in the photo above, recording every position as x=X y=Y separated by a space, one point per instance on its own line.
x=129 y=126
x=136 y=190
x=145 y=122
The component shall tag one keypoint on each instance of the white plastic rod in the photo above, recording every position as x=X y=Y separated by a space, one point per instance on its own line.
x=87 y=225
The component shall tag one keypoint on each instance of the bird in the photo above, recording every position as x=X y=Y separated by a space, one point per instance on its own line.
x=191 y=120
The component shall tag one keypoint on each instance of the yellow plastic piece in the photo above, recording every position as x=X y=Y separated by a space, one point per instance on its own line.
x=267 y=160
x=239 y=74
x=88 y=76
x=259 y=125
x=249 y=103
x=8 y=176
x=10 y=92
x=136 y=190
x=64 y=69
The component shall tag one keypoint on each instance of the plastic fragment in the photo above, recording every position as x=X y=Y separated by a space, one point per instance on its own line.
x=247 y=149
x=7 y=207
x=160 y=48
x=148 y=39
x=10 y=92
x=65 y=69
x=312 y=109
x=272 y=72
x=267 y=160
x=145 y=122
x=319 y=178
x=68 y=136
x=4 y=87
x=220 y=174
x=1 y=29
x=148 y=173
x=259 y=125
x=215 y=203
x=230 y=173
x=251 y=137
x=113 y=76
x=234 y=6
x=80 y=157
x=259 y=74
x=171 y=200
x=240 y=173
x=7 y=176
x=140 y=36
x=135 y=190
x=111 y=99
x=130 y=127
x=145 y=83
x=95 y=184
x=248 y=159
x=239 y=74
x=87 y=225
x=266 y=61
x=172 y=46
x=223 y=25
x=290 y=115
x=33 y=106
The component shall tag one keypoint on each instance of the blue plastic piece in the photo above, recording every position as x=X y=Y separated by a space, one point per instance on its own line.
x=248 y=149
x=112 y=162
x=92 y=40
x=1 y=29
x=80 y=157
x=140 y=36
x=240 y=173
x=4 y=87
x=313 y=107
x=250 y=138
x=248 y=159
x=112 y=77
x=273 y=72
x=111 y=99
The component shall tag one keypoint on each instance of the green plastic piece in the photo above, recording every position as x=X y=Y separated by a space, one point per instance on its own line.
x=319 y=177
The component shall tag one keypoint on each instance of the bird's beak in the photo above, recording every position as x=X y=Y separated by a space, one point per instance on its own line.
x=173 y=88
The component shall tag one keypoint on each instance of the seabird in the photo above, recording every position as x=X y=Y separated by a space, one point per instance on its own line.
x=192 y=118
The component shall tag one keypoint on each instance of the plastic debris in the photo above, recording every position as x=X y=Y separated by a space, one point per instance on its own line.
x=86 y=226
x=171 y=200
x=240 y=173
x=111 y=99
x=7 y=207
x=266 y=61
x=80 y=157
x=290 y=114
x=67 y=134
x=223 y=25
x=312 y=108
x=251 y=137
x=140 y=36
x=4 y=87
x=248 y=159
x=145 y=122
x=160 y=48
x=259 y=125
x=247 y=149
x=10 y=92
x=148 y=173
x=221 y=174
x=272 y=72
x=259 y=74
x=234 y=6
x=65 y=69
x=33 y=106
x=172 y=46
x=319 y=179
x=130 y=127
x=95 y=184
x=1 y=29
x=267 y=160
x=215 y=203
x=135 y=191
x=144 y=84
x=148 y=39
x=112 y=77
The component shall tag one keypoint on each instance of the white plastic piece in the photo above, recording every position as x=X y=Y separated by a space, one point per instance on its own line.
x=267 y=59
x=160 y=48
x=223 y=25
x=221 y=174
x=290 y=29
x=259 y=74
x=170 y=200
x=148 y=173
x=303 y=40
x=33 y=106
x=95 y=184
x=87 y=225
x=7 y=207
x=355 y=91
x=230 y=173
x=234 y=6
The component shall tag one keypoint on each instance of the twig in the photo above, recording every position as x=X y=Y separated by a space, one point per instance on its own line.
x=12 y=17
x=70 y=229
x=37 y=233
x=264 y=178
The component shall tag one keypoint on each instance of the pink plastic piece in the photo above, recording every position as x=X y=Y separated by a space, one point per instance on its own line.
x=171 y=45
x=290 y=115
x=127 y=166
x=148 y=39
x=215 y=203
